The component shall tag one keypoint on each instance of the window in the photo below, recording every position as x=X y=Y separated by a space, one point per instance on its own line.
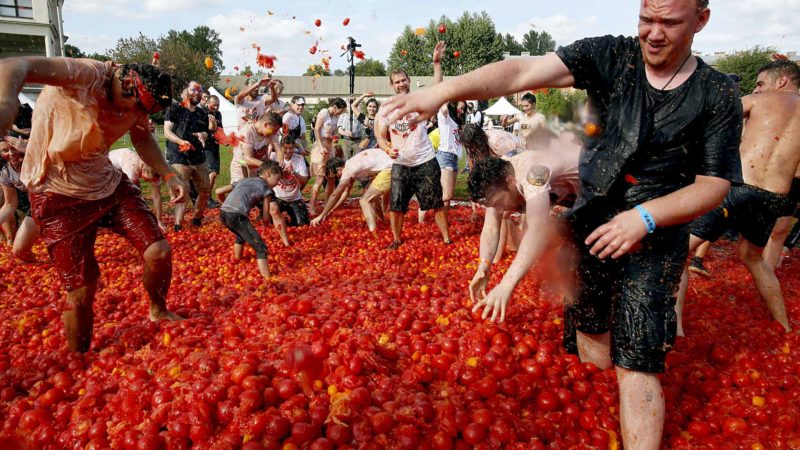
x=17 y=8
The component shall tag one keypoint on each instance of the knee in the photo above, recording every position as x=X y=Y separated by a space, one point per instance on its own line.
x=158 y=252
x=748 y=254
x=447 y=196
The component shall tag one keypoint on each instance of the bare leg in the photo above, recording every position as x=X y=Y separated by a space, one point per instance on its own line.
x=263 y=268
x=238 y=251
x=595 y=348
x=157 y=278
x=694 y=243
x=396 y=221
x=223 y=192
x=180 y=210
x=9 y=230
x=774 y=248
x=766 y=281
x=441 y=221
x=278 y=222
x=78 y=318
x=212 y=179
x=368 y=207
x=27 y=236
x=200 y=205
x=448 y=187
x=641 y=409
x=312 y=203
x=421 y=215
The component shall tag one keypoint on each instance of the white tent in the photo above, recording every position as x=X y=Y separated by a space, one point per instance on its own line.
x=230 y=118
x=25 y=99
x=502 y=108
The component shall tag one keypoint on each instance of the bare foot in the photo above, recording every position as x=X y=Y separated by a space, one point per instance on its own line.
x=394 y=245
x=164 y=315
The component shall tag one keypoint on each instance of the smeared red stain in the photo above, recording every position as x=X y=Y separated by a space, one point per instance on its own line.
x=630 y=179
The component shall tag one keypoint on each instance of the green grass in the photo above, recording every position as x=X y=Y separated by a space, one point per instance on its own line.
x=224 y=178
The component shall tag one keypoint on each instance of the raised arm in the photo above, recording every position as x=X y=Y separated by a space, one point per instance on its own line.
x=249 y=90
x=438 y=53
x=491 y=81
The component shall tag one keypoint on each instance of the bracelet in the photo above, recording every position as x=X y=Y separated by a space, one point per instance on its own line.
x=168 y=176
x=648 y=220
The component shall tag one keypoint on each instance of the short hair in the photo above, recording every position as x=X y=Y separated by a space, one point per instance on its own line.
x=279 y=86
x=273 y=118
x=338 y=102
x=289 y=140
x=397 y=72
x=476 y=142
x=213 y=97
x=155 y=80
x=332 y=165
x=530 y=98
x=783 y=68
x=149 y=172
x=702 y=4
x=488 y=173
x=271 y=167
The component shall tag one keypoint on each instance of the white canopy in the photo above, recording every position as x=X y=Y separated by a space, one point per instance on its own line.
x=230 y=118
x=25 y=99
x=502 y=108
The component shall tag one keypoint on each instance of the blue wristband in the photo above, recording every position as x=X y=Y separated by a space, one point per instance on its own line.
x=648 y=220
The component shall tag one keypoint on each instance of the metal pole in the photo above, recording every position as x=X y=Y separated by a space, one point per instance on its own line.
x=59 y=3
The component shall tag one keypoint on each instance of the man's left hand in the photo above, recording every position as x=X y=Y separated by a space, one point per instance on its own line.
x=617 y=237
x=496 y=302
x=177 y=190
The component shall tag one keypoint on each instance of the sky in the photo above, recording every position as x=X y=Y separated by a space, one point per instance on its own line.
x=96 y=25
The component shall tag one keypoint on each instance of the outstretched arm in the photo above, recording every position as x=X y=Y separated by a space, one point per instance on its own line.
x=490 y=237
x=148 y=150
x=494 y=80
x=336 y=198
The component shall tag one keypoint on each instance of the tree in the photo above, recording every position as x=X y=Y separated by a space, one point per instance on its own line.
x=317 y=69
x=746 y=64
x=369 y=68
x=71 y=51
x=511 y=45
x=339 y=73
x=202 y=39
x=538 y=43
x=473 y=36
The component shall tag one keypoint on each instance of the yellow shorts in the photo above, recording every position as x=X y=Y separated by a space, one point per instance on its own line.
x=382 y=181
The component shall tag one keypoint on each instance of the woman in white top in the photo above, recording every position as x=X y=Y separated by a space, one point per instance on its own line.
x=451 y=118
x=324 y=129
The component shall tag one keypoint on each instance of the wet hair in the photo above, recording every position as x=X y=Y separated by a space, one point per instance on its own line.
x=488 y=173
x=702 y=4
x=332 y=165
x=783 y=68
x=476 y=142
x=530 y=98
x=397 y=72
x=338 y=102
x=273 y=118
x=452 y=111
x=270 y=166
x=155 y=80
x=289 y=140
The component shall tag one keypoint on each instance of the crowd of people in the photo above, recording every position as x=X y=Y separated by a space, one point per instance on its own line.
x=671 y=166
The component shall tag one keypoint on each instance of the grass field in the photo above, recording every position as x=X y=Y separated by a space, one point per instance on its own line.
x=224 y=178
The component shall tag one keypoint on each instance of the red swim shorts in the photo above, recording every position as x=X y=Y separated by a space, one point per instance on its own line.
x=69 y=228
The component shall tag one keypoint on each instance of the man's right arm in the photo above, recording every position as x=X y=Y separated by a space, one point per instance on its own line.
x=334 y=200
x=490 y=236
x=494 y=80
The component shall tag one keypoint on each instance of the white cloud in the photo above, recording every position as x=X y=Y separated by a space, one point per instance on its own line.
x=147 y=9
x=563 y=29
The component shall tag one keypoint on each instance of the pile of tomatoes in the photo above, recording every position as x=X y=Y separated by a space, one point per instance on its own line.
x=354 y=346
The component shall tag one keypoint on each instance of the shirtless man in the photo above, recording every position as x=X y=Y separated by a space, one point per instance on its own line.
x=72 y=185
x=373 y=163
x=775 y=249
x=520 y=180
x=770 y=153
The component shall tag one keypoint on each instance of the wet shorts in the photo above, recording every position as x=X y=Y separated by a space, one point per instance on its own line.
x=197 y=174
x=794 y=192
x=212 y=160
x=23 y=203
x=747 y=209
x=297 y=211
x=424 y=180
x=69 y=228
x=382 y=181
x=447 y=161
x=243 y=229
x=633 y=297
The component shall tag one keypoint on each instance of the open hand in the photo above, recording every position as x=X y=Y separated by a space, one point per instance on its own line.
x=617 y=237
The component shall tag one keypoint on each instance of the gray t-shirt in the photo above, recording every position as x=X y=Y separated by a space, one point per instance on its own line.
x=246 y=195
x=10 y=177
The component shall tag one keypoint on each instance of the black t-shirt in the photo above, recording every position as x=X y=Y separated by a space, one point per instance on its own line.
x=211 y=142
x=184 y=124
x=369 y=125
x=23 y=119
x=651 y=142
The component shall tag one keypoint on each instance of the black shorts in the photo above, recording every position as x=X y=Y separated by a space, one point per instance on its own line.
x=747 y=209
x=632 y=297
x=297 y=211
x=240 y=226
x=23 y=203
x=794 y=191
x=425 y=180
x=212 y=159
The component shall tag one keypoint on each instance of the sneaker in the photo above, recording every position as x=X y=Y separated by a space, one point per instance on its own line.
x=197 y=221
x=176 y=228
x=697 y=267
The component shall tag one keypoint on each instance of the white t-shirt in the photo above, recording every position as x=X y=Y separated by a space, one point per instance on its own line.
x=292 y=121
x=248 y=111
x=449 y=138
x=502 y=142
x=411 y=141
x=529 y=126
x=288 y=189
x=366 y=164
x=329 y=123
x=131 y=164
x=550 y=169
